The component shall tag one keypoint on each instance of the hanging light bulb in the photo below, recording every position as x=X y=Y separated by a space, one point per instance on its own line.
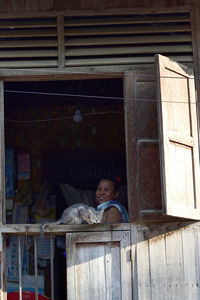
x=77 y=116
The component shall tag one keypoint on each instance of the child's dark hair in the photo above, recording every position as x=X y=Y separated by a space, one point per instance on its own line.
x=114 y=180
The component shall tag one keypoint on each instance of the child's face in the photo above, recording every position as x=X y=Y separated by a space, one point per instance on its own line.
x=106 y=191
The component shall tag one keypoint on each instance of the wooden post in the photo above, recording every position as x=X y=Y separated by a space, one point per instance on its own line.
x=2 y=194
x=130 y=110
x=61 y=42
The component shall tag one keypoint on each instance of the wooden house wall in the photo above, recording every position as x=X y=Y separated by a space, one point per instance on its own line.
x=56 y=5
x=165 y=259
x=166 y=262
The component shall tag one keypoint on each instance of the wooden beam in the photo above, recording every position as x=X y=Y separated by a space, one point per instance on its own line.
x=105 y=12
x=130 y=110
x=34 y=229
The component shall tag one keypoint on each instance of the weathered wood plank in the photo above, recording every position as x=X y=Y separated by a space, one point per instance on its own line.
x=61 y=229
x=28 y=53
x=30 y=43
x=180 y=138
x=7 y=10
x=125 y=30
x=29 y=64
x=2 y=158
x=130 y=110
x=61 y=38
x=28 y=33
x=31 y=5
x=140 y=263
x=3 y=268
x=125 y=20
x=20 y=266
x=157 y=260
x=123 y=50
x=191 y=289
x=52 y=242
x=35 y=23
x=46 y=5
x=174 y=264
x=17 y=5
x=122 y=60
x=35 y=268
x=75 y=41
x=195 y=25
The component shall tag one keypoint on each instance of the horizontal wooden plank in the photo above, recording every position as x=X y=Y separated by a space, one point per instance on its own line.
x=180 y=138
x=35 y=23
x=27 y=33
x=24 y=229
x=28 y=53
x=125 y=20
x=105 y=30
x=128 y=50
x=28 y=43
x=29 y=64
x=122 y=60
x=144 y=39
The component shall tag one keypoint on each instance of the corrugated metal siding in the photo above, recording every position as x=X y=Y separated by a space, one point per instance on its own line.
x=95 y=40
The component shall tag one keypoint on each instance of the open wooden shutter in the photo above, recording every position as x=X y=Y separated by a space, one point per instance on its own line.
x=179 y=147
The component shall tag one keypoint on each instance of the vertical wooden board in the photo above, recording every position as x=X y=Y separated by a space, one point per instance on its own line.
x=31 y=5
x=197 y=259
x=73 y=5
x=18 y=5
x=113 y=274
x=82 y=268
x=5 y=6
x=147 y=109
x=70 y=267
x=134 y=240
x=189 y=264
x=157 y=260
x=149 y=176
x=61 y=41
x=174 y=265
x=97 y=271
x=130 y=111
x=2 y=157
x=140 y=264
x=45 y=5
x=125 y=259
x=3 y=289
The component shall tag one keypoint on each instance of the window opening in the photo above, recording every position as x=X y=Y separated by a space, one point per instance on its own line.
x=56 y=145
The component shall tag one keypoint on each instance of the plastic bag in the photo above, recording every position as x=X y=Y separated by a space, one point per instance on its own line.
x=26 y=295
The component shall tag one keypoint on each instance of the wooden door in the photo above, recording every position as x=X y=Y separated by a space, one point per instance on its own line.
x=178 y=134
x=98 y=265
